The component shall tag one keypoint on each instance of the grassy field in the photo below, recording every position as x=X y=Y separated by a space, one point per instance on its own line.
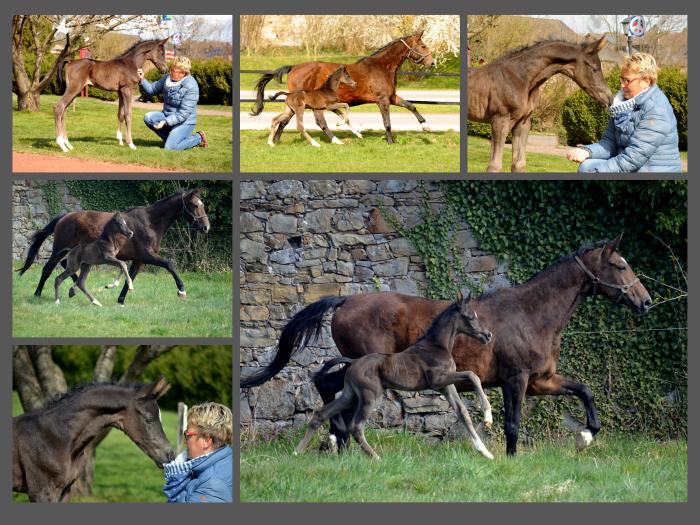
x=478 y=153
x=92 y=131
x=614 y=469
x=152 y=309
x=122 y=471
x=279 y=57
x=413 y=152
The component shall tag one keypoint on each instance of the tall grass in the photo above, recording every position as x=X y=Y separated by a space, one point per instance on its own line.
x=152 y=309
x=413 y=469
x=92 y=131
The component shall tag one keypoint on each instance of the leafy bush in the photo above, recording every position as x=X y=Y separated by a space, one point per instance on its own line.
x=213 y=76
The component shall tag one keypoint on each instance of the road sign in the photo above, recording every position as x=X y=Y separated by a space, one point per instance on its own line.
x=637 y=26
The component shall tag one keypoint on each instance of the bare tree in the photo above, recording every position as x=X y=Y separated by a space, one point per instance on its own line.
x=251 y=33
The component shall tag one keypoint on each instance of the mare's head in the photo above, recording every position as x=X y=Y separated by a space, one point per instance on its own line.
x=611 y=276
x=141 y=422
x=193 y=210
x=587 y=71
x=468 y=321
x=418 y=52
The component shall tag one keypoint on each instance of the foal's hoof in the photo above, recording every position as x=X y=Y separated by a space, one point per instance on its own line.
x=315 y=144
x=336 y=140
x=584 y=438
x=68 y=144
x=97 y=303
x=427 y=128
x=62 y=145
x=132 y=146
x=58 y=301
x=270 y=143
x=182 y=294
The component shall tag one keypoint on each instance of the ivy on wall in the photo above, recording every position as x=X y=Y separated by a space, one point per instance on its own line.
x=636 y=366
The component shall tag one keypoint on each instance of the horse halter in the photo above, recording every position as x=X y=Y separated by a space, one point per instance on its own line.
x=622 y=288
x=190 y=213
x=411 y=50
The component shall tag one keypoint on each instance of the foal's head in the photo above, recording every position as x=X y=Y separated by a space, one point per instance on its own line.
x=468 y=321
x=587 y=71
x=156 y=54
x=341 y=76
x=117 y=225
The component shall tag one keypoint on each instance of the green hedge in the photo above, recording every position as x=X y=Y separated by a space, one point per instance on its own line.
x=636 y=366
x=214 y=78
x=585 y=120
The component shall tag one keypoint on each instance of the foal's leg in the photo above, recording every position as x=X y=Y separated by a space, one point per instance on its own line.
x=558 y=385
x=463 y=414
x=113 y=261
x=520 y=133
x=450 y=378
x=346 y=400
x=398 y=101
x=367 y=395
x=120 y=118
x=383 y=104
x=321 y=123
x=328 y=386
x=500 y=126
x=84 y=271
x=57 y=285
x=285 y=115
x=59 y=115
x=346 y=120
x=126 y=94
x=299 y=112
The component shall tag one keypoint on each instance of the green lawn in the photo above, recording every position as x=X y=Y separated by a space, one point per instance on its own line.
x=122 y=471
x=152 y=309
x=614 y=469
x=278 y=57
x=413 y=152
x=92 y=131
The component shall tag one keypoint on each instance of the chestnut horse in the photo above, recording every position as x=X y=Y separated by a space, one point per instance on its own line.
x=506 y=91
x=375 y=76
x=527 y=322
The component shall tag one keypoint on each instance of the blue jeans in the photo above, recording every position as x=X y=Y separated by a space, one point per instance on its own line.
x=591 y=165
x=177 y=137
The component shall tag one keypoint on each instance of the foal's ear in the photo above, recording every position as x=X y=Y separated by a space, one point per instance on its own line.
x=159 y=388
x=597 y=45
x=464 y=295
x=419 y=34
x=611 y=247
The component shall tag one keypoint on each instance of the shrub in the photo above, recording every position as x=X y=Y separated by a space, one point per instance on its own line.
x=214 y=78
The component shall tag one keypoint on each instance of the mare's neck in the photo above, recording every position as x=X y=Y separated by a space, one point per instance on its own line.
x=392 y=57
x=164 y=212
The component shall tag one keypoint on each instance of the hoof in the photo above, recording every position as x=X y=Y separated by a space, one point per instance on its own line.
x=182 y=294
x=71 y=292
x=111 y=285
x=427 y=129
x=357 y=134
x=68 y=145
x=58 y=301
x=315 y=144
x=295 y=453
x=132 y=146
x=488 y=418
x=97 y=303
x=131 y=287
x=121 y=304
x=332 y=444
x=336 y=140
x=270 y=143
x=584 y=438
x=62 y=144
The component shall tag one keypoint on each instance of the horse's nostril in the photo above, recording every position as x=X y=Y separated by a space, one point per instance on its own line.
x=647 y=303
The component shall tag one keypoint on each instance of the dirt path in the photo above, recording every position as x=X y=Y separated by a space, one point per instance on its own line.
x=34 y=163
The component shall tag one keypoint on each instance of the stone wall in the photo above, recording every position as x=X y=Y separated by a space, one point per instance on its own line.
x=303 y=240
x=30 y=212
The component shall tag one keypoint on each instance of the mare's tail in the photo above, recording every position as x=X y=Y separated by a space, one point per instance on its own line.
x=303 y=328
x=274 y=97
x=37 y=240
x=318 y=374
x=277 y=74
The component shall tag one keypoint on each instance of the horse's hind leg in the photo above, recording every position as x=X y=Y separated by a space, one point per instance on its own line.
x=367 y=397
x=520 y=133
x=299 y=112
x=321 y=123
x=286 y=115
x=84 y=271
x=383 y=104
x=463 y=415
x=398 y=101
x=328 y=386
x=120 y=118
x=126 y=97
x=346 y=400
x=48 y=269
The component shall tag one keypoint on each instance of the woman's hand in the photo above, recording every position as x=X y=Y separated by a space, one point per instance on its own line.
x=139 y=72
x=160 y=124
x=577 y=155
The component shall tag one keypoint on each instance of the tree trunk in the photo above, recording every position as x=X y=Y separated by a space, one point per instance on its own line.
x=50 y=376
x=29 y=101
x=144 y=355
x=25 y=381
x=105 y=364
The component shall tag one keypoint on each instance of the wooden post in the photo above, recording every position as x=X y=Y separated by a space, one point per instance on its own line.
x=181 y=425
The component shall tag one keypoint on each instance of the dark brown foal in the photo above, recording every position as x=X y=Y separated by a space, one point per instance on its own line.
x=101 y=251
x=325 y=97
x=426 y=365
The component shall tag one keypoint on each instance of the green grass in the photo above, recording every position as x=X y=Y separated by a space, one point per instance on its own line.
x=614 y=469
x=92 y=131
x=278 y=57
x=122 y=471
x=152 y=309
x=479 y=151
x=413 y=152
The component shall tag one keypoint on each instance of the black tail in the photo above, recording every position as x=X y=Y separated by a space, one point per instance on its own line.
x=61 y=64
x=277 y=74
x=303 y=328
x=37 y=240
x=274 y=97
x=318 y=374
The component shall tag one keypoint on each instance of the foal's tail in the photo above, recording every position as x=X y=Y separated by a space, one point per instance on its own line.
x=274 y=97
x=277 y=74
x=318 y=374
x=303 y=328
x=37 y=240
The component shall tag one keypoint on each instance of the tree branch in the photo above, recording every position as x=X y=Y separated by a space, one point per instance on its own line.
x=144 y=355
x=24 y=380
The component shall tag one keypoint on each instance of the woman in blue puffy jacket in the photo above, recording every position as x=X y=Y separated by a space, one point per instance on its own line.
x=204 y=472
x=178 y=119
x=642 y=133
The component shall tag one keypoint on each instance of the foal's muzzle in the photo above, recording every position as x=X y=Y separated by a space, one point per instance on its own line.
x=485 y=336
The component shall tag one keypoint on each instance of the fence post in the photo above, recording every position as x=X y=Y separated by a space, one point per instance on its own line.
x=181 y=425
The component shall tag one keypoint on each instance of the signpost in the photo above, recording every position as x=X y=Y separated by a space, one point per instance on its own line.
x=633 y=26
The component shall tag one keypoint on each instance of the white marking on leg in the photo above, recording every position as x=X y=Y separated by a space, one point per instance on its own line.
x=488 y=418
x=426 y=128
x=120 y=137
x=115 y=283
x=182 y=294
x=58 y=301
x=333 y=444
x=479 y=445
x=61 y=143
x=131 y=145
x=315 y=144
x=336 y=140
x=584 y=439
x=356 y=132
x=96 y=303
x=270 y=143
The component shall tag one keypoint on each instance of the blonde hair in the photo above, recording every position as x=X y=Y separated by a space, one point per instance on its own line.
x=642 y=64
x=212 y=420
x=182 y=63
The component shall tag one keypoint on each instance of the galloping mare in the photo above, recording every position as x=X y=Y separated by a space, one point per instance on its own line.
x=426 y=364
x=149 y=224
x=49 y=444
x=103 y=250
x=505 y=92
x=117 y=74
x=375 y=77
x=325 y=97
x=527 y=322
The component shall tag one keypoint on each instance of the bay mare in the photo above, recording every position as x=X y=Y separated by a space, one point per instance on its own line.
x=375 y=76
x=118 y=74
x=426 y=364
x=527 y=322
x=505 y=92
x=49 y=444
x=149 y=224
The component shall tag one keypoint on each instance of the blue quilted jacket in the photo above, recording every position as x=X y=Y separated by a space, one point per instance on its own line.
x=644 y=138
x=208 y=479
x=179 y=101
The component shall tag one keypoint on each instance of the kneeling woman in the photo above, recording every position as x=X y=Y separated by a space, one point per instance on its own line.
x=178 y=119
x=204 y=472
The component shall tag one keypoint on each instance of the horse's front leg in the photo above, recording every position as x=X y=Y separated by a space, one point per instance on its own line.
x=398 y=101
x=457 y=405
x=133 y=272
x=321 y=123
x=126 y=96
x=122 y=266
x=328 y=386
x=346 y=120
x=156 y=260
x=443 y=380
x=383 y=104
x=59 y=115
x=500 y=126
x=520 y=133
x=557 y=385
